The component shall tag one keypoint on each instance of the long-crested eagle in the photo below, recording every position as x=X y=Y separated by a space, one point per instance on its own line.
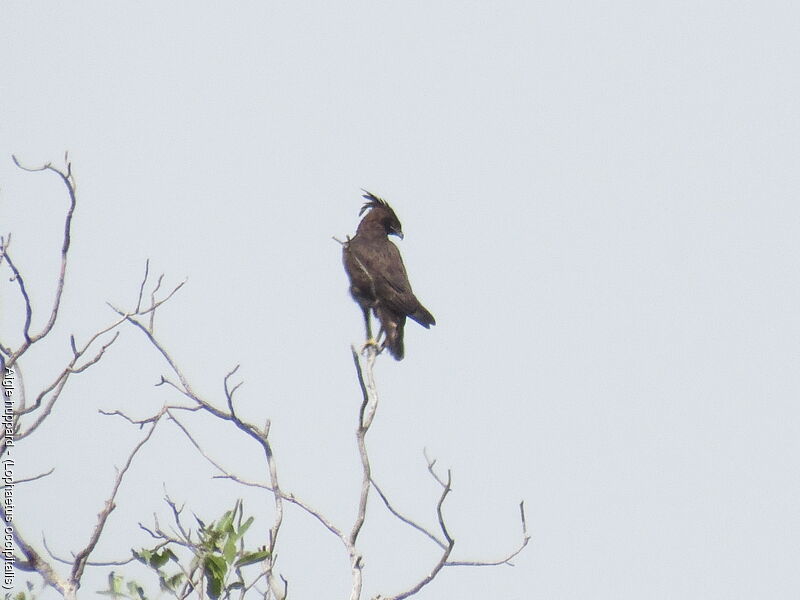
x=378 y=278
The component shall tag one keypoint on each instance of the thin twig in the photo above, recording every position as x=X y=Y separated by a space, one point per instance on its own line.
x=503 y=561
x=69 y=182
x=34 y=562
x=55 y=389
x=104 y=563
x=141 y=287
x=82 y=556
x=445 y=554
x=406 y=520
x=26 y=329
x=153 y=302
x=260 y=436
x=34 y=478
x=291 y=498
x=5 y=242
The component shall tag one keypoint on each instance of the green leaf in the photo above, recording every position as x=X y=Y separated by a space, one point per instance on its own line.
x=229 y=552
x=158 y=560
x=114 y=585
x=154 y=559
x=250 y=558
x=214 y=568
x=245 y=526
x=225 y=524
x=170 y=584
x=136 y=591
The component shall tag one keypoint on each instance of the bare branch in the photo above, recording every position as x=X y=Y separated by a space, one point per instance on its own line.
x=176 y=515
x=52 y=392
x=141 y=287
x=55 y=388
x=406 y=520
x=229 y=392
x=69 y=182
x=258 y=435
x=291 y=498
x=108 y=563
x=202 y=452
x=97 y=357
x=82 y=557
x=369 y=405
x=26 y=329
x=186 y=387
x=34 y=562
x=29 y=169
x=77 y=354
x=5 y=242
x=45 y=411
x=117 y=413
x=503 y=561
x=366 y=381
x=34 y=478
x=445 y=554
x=431 y=465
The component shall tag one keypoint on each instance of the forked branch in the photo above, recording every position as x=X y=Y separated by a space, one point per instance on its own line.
x=184 y=387
x=30 y=339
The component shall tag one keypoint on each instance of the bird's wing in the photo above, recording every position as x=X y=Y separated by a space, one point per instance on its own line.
x=388 y=276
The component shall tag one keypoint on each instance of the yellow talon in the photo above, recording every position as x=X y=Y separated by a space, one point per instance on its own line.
x=370 y=343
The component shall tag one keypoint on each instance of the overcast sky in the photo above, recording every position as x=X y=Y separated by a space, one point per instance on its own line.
x=600 y=202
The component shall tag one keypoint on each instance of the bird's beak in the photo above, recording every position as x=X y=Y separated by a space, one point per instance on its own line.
x=398 y=233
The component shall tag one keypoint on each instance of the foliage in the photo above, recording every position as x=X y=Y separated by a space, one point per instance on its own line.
x=218 y=555
x=118 y=588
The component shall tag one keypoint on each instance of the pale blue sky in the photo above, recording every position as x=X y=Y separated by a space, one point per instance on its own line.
x=600 y=208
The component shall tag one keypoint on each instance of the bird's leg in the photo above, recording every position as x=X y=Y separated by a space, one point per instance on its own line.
x=367 y=323
x=371 y=342
x=381 y=345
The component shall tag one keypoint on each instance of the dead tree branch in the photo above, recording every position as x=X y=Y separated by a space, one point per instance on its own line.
x=448 y=546
x=446 y=489
x=82 y=556
x=184 y=387
x=83 y=358
x=34 y=478
x=150 y=297
x=431 y=536
x=30 y=339
x=34 y=561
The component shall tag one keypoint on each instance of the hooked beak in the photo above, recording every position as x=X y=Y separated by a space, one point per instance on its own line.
x=397 y=232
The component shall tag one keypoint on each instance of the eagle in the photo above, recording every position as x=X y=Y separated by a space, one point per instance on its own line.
x=378 y=278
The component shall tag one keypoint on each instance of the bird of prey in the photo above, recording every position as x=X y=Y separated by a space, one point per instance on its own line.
x=378 y=278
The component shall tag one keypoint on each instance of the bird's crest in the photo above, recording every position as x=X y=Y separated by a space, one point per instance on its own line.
x=373 y=201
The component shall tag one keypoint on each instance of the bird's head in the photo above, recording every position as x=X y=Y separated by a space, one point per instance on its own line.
x=380 y=212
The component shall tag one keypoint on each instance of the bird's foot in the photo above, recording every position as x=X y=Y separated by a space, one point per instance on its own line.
x=371 y=345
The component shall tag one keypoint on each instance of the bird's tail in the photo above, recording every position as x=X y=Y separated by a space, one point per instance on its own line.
x=423 y=316
x=395 y=346
x=393 y=326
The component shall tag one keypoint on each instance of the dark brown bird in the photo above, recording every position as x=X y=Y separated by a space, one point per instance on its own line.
x=378 y=278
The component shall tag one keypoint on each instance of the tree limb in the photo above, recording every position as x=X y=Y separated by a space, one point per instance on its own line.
x=82 y=557
x=69 y=182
